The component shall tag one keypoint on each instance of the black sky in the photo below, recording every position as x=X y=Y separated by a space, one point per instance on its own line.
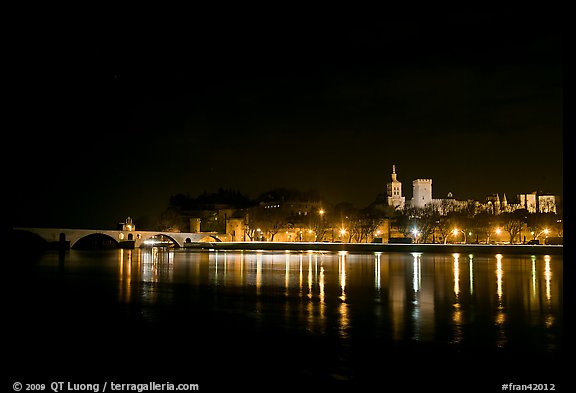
x=112 y=123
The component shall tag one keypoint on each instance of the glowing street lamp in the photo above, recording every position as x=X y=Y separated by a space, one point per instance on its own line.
x=455 y=232
x=546 y=231
x=498 y=231
x=416 y=233
x=321 y=233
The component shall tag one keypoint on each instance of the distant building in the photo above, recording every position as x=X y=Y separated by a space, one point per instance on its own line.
x=528 y=202
x=293 y=208
x=127 y=225
x=286 y=220
x=546 y=203
x=493 y=204
x=236 y=229
x=534 y=202
x=421 y=193
x=394 y=192
x=538 y=203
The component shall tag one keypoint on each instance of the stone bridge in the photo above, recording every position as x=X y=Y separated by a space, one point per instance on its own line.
x=124 y=238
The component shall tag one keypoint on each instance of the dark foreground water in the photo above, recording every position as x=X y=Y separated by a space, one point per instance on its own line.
x=269 y=321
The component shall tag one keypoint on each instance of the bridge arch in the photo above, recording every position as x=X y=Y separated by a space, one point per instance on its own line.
x=151 y=235
x=63 y=238
x=210 y=238
x=28 y=239
x=95 y=240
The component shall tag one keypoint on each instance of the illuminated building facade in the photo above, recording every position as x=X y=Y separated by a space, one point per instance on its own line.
x=421 y=193
x=534 y=202
x=394 y=192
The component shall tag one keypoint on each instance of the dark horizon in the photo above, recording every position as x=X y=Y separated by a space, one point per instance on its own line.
x=112 y=126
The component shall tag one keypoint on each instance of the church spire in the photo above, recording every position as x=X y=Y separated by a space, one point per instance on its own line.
x=394 y=191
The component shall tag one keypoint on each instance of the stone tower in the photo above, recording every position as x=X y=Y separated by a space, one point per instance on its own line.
x=394 y=191
x=421 y=192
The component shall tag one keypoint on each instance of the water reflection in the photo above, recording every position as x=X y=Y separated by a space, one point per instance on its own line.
x=416 y=271
x=377 y=271
x=548 y=277
x=286 y=272
x=499 y=273
x=549 y=322
x=456 y=269
x=500 y=319
x=343 y=309
x=416 y=314
x=471 y=274
x=457 y=318
x=125 y=275
x=322 y=305
x=258 y=272
x=405 y=297
x=533 y=272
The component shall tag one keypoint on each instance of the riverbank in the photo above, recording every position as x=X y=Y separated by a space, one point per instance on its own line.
x=385 y=247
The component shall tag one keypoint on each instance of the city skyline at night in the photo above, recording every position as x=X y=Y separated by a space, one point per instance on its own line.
x=270 y=200
x=123 y=121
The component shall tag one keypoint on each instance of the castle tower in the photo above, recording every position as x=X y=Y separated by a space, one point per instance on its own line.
x=421 y=192
x=394 y=191
x=504 y=204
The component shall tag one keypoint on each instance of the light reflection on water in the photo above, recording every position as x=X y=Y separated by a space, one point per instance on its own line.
x=450 y=298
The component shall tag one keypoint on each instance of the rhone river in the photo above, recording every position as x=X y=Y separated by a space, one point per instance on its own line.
x=272 y=319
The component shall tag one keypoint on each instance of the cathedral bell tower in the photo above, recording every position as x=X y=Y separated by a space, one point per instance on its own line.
x=394 y=191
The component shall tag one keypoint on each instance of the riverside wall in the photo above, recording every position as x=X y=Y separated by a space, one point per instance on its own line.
x=385 y=247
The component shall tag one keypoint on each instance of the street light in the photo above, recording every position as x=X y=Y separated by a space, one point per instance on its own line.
x=498 y=231
x=320 y=227
x=415 y=232
x=455 y=232
x=546 y=231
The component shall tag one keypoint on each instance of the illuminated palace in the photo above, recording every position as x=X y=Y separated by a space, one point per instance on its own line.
x=533 y=202
x=300 y=217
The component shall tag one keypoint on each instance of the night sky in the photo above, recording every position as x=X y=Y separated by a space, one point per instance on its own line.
x=112 y=123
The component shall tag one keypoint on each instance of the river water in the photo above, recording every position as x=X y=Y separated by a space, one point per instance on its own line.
x=271 y=319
